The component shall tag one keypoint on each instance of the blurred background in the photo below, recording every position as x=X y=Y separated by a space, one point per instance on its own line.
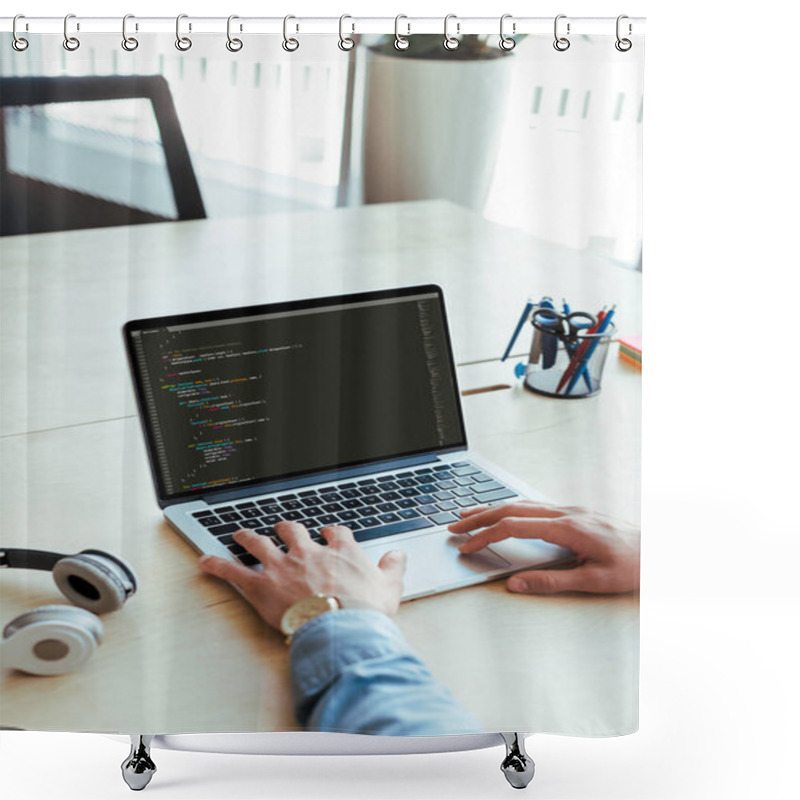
x=531 y=138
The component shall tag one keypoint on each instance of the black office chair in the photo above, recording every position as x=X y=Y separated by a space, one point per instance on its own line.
x=31 y=205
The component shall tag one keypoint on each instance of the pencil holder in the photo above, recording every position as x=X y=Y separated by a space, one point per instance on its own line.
x=568 y=369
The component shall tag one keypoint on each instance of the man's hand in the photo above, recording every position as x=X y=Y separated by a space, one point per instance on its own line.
x=607 y=551
x=341 y=568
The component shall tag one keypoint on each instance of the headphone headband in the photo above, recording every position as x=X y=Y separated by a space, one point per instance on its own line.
x=22 y=558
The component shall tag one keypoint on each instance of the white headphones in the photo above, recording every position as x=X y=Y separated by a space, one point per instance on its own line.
x=56 y=639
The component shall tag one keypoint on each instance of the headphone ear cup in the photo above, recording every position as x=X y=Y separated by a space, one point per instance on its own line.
x=51 y=640
x=90 y=581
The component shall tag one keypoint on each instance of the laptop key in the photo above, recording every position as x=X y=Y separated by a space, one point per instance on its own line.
x=406 y=502
x=482 y=477
x=409 y=492
x=240 y=506
x=248 y=559
x=460 y=464
x=252 y=523
x=331 y=507
x=389 y=496
x=428 y=488
x=230 y=517
x=448 y=505
x=370 y=490
x=348 y=515
x=385 y=478
x=349 y=494
x=353 y=525
x=250 y=513
x=198 y=514
x=465 y=502
x=386 y=507
x=443 y=495
x=464 y=481
x=347 y=486
x=409 y=513
x=209 y=521
x=427 y=509
x=328 y=519
x=446 y=484
x=392 y=528
x=491 y=497
x=440 y=467
x=369 y=522
x=271 y=519
x=406 y=482
x=269 y=506
x=223 y=510
x=465 y=470
x=461 y=491
x=219 y=530
x=368 y=511
x=489 y=486
x=294 y=516
x=365 y=482
x=292 y=505
x=424 y=499
x=352 y=503
x=388 y=517
x=444 y=518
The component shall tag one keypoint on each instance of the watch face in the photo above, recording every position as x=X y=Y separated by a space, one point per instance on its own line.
x=305 y=610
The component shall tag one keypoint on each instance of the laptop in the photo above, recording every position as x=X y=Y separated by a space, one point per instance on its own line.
x=335 y=410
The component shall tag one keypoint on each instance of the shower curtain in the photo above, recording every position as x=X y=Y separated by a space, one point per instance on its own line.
x=161 y=175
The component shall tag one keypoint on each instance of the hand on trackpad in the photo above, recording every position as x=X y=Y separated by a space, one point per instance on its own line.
x=434 y=563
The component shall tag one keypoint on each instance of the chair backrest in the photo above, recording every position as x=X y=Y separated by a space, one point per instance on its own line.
x=28 y=206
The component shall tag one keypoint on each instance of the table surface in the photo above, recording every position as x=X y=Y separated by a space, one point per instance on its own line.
x=75 y=475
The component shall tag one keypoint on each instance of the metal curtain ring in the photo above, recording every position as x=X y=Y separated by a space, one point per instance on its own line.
x=183 y=43
x=19 y=44
x=346 y=42
x=561 y=43
x=129 y=43
x=401 y=42
x=506 y=42
x=450 y=42
x=233 y=44
x=623 y=45
x=289 y=44
x=70 y=42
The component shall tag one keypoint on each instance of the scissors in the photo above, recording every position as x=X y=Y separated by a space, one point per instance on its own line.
x=566 y=327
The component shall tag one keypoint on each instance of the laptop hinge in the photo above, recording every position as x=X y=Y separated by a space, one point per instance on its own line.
x=318 y=477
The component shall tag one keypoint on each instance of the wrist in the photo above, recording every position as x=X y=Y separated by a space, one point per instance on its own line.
x=309 y=608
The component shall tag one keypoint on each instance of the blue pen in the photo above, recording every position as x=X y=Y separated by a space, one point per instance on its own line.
x=582 y=367
x=525 y=312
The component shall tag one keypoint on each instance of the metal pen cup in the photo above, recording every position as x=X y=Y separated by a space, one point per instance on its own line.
x=556 y=371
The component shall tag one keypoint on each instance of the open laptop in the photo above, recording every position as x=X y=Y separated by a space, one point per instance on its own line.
x=336 y=410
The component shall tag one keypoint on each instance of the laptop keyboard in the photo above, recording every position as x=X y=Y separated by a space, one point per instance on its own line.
x=371 y=507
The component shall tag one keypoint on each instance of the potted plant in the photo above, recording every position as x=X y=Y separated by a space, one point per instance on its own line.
x=433 y=118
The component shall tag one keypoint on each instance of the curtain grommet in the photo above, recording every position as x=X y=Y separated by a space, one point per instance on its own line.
x=182 y=43
x=71 y=43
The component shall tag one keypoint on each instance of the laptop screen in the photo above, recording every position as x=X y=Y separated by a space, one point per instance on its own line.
x=242 y=396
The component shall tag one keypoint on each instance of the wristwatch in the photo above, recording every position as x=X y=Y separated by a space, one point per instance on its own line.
x=313 y=606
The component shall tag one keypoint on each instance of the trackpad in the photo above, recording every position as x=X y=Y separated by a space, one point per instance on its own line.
x=434 y=562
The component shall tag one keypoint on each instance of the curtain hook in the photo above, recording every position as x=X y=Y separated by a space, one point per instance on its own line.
x=234 y=45
x=346 y=42
x=506 y=42
x=129 y=43
x=183 y=43
x=450 y=42
x=19 y=44
x=401 y=42
x=289 y=44
x=70 y=42
x=623 y=45
x=561 y=43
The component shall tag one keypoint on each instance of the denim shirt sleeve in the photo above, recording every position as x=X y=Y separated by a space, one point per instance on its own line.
x=353 y=672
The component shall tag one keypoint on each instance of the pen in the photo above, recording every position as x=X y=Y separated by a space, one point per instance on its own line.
x=525 y=312
x=576 y=358
x=602 y=327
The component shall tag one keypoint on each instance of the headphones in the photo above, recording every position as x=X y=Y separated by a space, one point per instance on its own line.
x=56 y=639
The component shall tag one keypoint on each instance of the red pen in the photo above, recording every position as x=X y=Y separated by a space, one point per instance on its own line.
x=579 y=353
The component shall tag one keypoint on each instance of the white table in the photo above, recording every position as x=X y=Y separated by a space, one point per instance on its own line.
x=187 y=654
